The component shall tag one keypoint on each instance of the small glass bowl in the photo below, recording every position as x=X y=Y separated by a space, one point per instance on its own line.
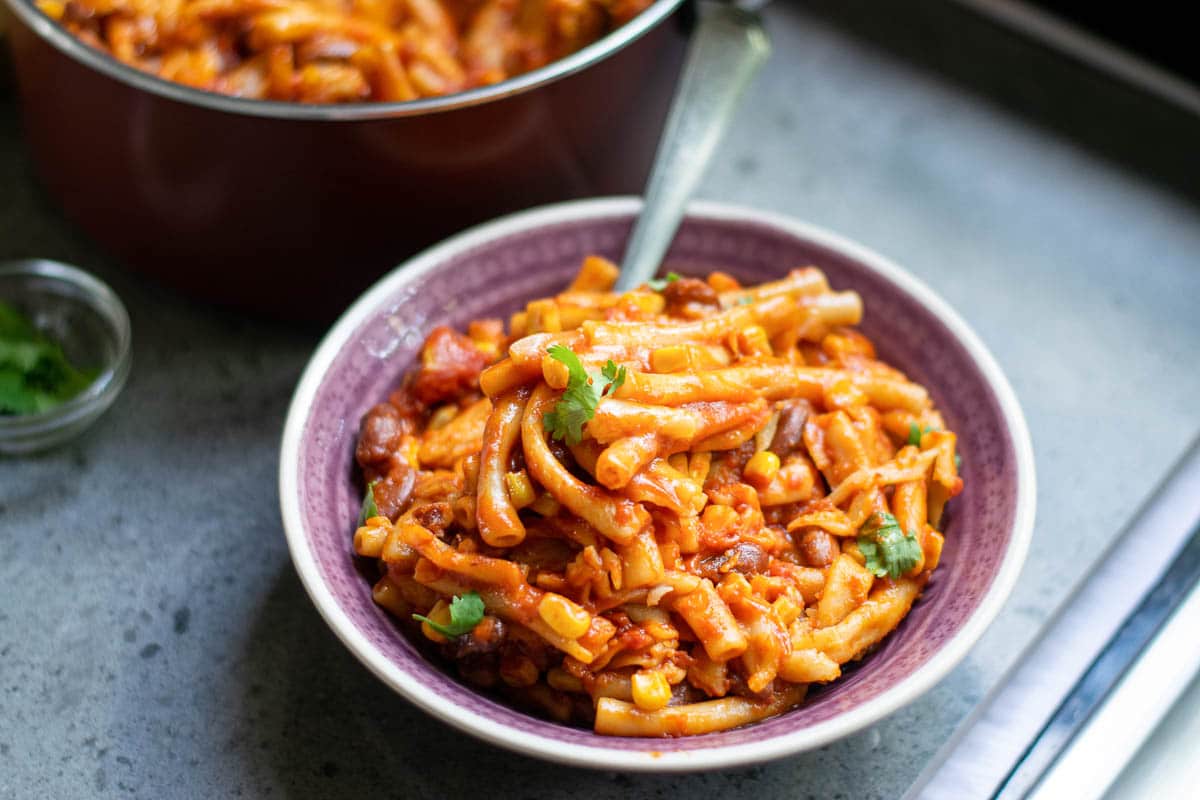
x=85 y=317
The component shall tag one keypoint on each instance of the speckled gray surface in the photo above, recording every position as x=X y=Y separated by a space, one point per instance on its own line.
x=155 y=642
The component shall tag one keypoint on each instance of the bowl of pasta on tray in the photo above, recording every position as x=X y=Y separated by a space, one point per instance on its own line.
x=753 y=506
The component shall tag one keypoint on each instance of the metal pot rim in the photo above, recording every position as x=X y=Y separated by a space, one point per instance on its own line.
x=105 y=64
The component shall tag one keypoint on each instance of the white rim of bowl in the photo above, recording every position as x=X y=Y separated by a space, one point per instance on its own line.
x=600 y=757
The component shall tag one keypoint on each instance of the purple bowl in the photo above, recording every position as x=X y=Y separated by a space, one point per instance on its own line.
x=491 y=271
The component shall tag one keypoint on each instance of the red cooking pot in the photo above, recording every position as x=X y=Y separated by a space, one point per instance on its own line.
x=291 y=209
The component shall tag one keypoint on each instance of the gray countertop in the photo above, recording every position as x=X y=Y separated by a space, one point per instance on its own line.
x=155 y=641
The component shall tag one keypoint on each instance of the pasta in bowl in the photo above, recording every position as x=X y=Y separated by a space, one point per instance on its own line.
x=655 y=518
x=659 y=513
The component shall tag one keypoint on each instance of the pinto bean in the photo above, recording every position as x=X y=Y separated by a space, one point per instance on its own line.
x=393 y=491
x=789 y=433
x=818 y=548
x=486 y=637
x=745 y=557
x=688 y=292
x=750 y=558
x=379 y=436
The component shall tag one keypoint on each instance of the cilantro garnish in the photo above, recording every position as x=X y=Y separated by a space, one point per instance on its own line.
x=957 y=461
x=915 y=432
x=658 y=284
x=369 y=509
x=614 y=375
x=745 y=300
x=35 y=375
x=583 y=392
x=465 y=613
x=889 y=551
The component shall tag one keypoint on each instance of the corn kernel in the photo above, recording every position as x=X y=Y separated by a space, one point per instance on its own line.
x=645 y=304
x=650 y=690
x=388 y=596
x=842 y=393
x=369 y=539
x=564 y=617
x=698 y=466
x=679 y=462
x=52 y=9
x=520 y=489
x=761 y=469
x=723 y=281
x=517 y=324
x=489 y=348
x=717 y=520
x=440 y=613
x=542 y=317
x=672 y=358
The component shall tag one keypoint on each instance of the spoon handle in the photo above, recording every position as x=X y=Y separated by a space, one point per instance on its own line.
x=727 y=49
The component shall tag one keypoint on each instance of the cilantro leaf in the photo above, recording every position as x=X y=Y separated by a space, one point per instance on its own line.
x=957 y=461
x=889 y=551
x=17 y=398
x=745 y=300
x=915 y=432
x=658 y=284
x=466 y=611
x=614 y=376
x=583 y=392
x=369 y=509
x=35 y=375
x=578 y=403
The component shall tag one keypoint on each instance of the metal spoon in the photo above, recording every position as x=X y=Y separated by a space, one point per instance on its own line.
x=727 y=49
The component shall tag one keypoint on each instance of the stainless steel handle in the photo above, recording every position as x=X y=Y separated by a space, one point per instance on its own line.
x=728 y=47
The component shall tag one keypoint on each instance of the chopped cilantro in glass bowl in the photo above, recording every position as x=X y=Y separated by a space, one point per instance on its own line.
x=64 y=353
